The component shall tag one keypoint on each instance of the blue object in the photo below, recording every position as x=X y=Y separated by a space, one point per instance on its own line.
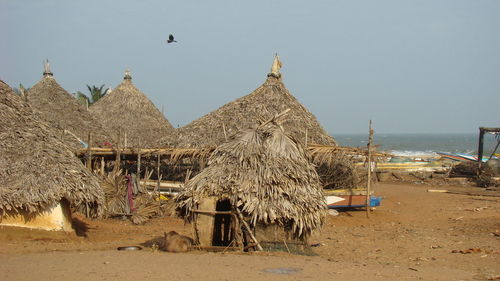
x=85 y=145
x=374 y=202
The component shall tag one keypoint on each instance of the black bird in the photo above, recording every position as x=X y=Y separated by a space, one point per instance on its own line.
x=171 y=39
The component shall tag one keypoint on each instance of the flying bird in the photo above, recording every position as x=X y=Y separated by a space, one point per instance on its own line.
x=171 y=39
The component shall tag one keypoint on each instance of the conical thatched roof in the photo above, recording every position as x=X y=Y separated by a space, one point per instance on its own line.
x=61 y=110
x=36 y=168
x=269 y=99
x=129 y=110
x=266 y=174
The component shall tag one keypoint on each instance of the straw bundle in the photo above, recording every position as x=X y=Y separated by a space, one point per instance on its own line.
x=264 y=173
x=37 y=170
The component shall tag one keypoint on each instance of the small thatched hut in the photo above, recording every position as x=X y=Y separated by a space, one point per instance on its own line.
x=270 y=98
x=261 y=177
x=62 y=111
x=127 y=112
x=39 y=175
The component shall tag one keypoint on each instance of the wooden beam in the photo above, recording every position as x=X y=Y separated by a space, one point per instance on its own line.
x=89 y=151
x=368 y=186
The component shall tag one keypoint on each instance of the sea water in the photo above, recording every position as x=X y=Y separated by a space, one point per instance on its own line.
x=422 y=144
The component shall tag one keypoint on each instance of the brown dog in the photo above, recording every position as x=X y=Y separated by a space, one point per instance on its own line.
x=176 y=243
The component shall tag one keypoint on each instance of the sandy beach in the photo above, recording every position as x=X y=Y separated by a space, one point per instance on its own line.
x=413 y=235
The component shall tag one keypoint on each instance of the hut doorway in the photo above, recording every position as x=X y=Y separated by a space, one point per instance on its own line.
x=223 y=233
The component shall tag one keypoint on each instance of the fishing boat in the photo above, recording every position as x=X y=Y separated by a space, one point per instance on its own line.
x=462 y=157
x=457 y=156
x=349 y=198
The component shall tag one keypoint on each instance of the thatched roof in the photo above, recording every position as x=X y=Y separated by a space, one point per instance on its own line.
x=129 y=110
x=266 y=174
x=61 y=110
x=269 y=99
x=36 y=168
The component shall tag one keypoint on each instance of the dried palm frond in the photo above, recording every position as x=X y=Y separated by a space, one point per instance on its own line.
x=144 y=213
x=115 y=186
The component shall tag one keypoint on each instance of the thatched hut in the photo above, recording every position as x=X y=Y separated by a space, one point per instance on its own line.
x=127 y=112
x=62 y=111
x=262 y=178
x=40 y=178
x=270 y=98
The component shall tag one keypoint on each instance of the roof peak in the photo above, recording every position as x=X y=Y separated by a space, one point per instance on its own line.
x=46 y=69
x=127 y=76
x=275 y=67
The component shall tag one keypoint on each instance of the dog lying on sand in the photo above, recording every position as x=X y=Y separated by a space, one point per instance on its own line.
x=177 y=243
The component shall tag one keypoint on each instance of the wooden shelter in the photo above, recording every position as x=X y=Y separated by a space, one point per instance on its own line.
x=270 y=98
x=40 y=178
x=130 y=116
x=258 y=187
x=63 y=112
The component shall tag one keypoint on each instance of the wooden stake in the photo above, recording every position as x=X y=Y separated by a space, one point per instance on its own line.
x=89 y=152
x=368 y=186
x=159 y=179
x=240 y=216
x=125 y=144
x=306 y=137
x=118 y=153
x=102 y=166
x=138 y=173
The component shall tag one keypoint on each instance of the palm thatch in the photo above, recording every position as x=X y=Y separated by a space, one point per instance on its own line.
x=269 y=99
x=125 y=197
x=37 y=170
x=127 y=112
x=264 y=173
x=62 y=111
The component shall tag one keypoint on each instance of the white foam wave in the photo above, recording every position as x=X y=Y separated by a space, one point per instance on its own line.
x=412 y=153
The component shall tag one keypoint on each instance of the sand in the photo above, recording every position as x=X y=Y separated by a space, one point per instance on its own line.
x=414 y=235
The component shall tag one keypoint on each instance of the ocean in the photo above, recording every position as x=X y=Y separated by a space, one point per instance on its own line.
x=422 y=144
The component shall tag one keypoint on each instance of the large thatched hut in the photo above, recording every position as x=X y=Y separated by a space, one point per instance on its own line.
x=260 y=178
x=270 y=98
x=62 y=111
x=128 y=113
x=40 y=178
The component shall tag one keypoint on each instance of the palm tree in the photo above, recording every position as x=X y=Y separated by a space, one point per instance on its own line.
x=95 y=94
x=21 y=90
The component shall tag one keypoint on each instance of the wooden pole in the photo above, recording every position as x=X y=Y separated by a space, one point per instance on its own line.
x=240 y=216
x=368 y=185
x=89 y=152
x=125 y=144
x=159 y=179
x=480 y=150
x=138 y=173
x=102 y=166
x=118 y=153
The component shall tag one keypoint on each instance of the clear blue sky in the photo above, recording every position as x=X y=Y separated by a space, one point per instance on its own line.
x=423 y=66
